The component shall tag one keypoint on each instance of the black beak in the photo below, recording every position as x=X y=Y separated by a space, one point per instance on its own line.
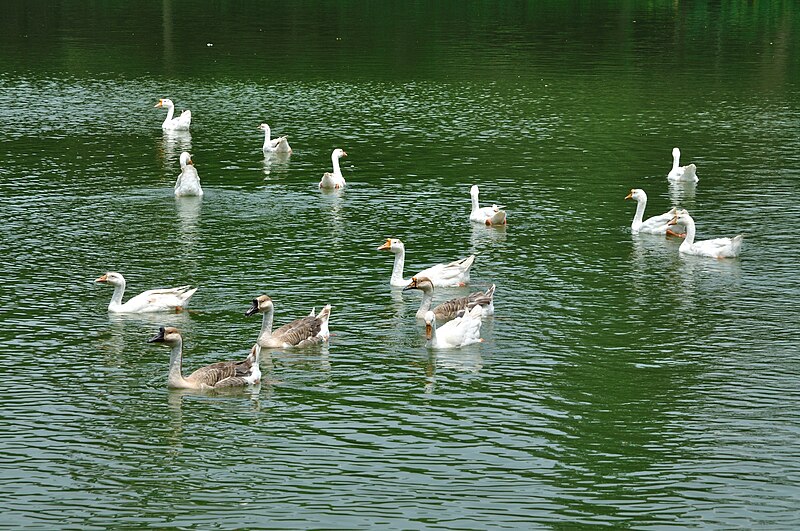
x=253 y=309
x=158 y=338
x=410 y=286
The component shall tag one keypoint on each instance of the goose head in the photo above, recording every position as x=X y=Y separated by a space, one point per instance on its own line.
x=115 y=279
x=186 y=159
x=421 y=283
x=165 y=102
x=339 y=153
x=473 y=192
x=169 y=336
x=392 y=244
x=676 y=153
x=264 y=127
x=637 y=194
x=681 y=216
x=260 y=305
x=430 y=320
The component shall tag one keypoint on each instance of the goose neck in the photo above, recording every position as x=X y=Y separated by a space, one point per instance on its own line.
x=116 y=297
x=176 y=365
x=688 y=241
x=267 y=140
x=425 y=305
x=637 y=217
x=335 y=162
x=266 y=324
x=475 y=203
x=170 y=114
x=397 y=269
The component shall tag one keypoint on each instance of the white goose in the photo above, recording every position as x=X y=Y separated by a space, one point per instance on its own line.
x=716 y=248
x=309 y=330
x=465 y=329
x=492 y=215
x=681 y=173
x=274 y=145
x=225 y=374
x=455 y=273
x=334 y=180
x=154 y=300
x=181 y=123
x=188 y=183
x=449 y=309
x=653 y=225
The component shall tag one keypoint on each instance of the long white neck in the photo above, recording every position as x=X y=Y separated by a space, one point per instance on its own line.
x=637 y=218
x=433 y=332
x=267 y=141
x=116 y=298
x=335 y=162
x=425 y=305
x=399 y=264
x=475 y=204
x=170 y=114
x=688 y=241
x=266 y=324
x=676 y=157
x=175 y=365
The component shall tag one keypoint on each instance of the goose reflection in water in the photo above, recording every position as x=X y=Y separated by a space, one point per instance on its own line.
x=276 y=163
x=188 y=211
x=173 y=143
x=681 y=193
x=483 y=236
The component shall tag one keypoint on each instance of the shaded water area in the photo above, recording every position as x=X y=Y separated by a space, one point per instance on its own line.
x=619 y=383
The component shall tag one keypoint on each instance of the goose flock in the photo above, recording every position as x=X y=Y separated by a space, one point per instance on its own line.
x=449 y=324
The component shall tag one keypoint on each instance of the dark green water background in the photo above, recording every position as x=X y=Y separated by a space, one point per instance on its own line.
x=619 y=383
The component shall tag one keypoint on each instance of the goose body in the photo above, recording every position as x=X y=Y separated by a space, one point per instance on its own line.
x=653 y=225
x=334 y=180
x=716 y=248
x=449 y=309
x=181 y=123
x=274 y=145
x=306 y=331
x=154 y=300
x=188 y=183
x=493 y=215
x=465 y=329
x=455 y=273
x=225 y=374
x=681 y=173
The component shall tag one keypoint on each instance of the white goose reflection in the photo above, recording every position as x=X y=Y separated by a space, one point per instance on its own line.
x=275 y=163
x=173 y=144
x=482 y=235
x=188 y=210
x=466 y=359
x=681 y=194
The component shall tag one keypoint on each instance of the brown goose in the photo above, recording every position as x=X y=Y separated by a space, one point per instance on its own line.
x=309 y=330
x=448 y=309
x=224 y=374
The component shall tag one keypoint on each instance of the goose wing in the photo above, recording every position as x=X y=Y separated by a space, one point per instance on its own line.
x=299 y=330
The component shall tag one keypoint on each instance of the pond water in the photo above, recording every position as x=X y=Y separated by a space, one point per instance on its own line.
x=619 y=383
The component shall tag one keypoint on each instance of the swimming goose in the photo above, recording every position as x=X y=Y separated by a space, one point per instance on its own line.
x=681 y=173
x=274 y=145
x=448 y=310
x=334 y=180
x=181 y=123
x=153 y=300
x=653 y=225
x=224 y=374
x=716 y=248
x=492 y=215
x=455 y=273
x=463 y=330
x=188 y=183
x=309 y=330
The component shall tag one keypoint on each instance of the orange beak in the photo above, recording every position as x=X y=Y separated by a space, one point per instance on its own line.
x=673 y=221
x=104 y=278
x=160 y=103
x=344 y=153
x=190 y=161
x=387 y=245
x=428 y=331
x=629 y=196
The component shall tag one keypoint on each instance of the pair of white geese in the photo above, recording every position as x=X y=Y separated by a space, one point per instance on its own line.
x=188 y=182
x=662 y=224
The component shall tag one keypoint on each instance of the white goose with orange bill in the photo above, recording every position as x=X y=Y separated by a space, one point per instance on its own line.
x=181 y=123
x=153 y=300
x=455 y=273
x=464 y=330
